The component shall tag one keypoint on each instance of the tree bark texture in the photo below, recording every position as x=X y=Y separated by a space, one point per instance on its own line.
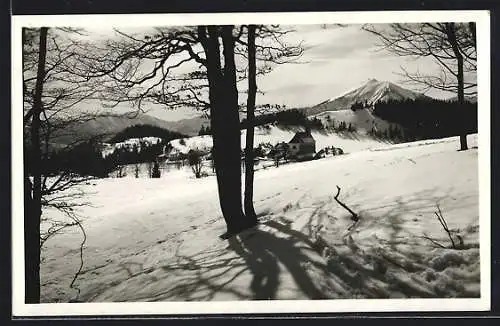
x=249 y=141
x=224 y=119
x=33 y=190
x=452 y=37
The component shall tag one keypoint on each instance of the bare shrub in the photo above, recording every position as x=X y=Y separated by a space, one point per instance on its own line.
x=195 y=162
x=155 y=173
x=451 y=233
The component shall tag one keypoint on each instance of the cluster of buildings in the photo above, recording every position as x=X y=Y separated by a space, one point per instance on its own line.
x=129 y=145
x=301 y=147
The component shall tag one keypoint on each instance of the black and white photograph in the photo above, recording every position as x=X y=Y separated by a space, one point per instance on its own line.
x=217 y=162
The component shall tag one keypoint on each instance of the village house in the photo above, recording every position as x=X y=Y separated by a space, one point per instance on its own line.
x=171 y=154
x=302 y=146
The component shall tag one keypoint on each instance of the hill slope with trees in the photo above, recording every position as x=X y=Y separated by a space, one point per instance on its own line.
x=145 y=130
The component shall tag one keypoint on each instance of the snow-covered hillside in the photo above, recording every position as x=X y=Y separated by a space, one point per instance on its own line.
x=157 y=239
x=363 y=120
x=372 y=92
x=196 y=142
x=349 y=142
x=129 y=144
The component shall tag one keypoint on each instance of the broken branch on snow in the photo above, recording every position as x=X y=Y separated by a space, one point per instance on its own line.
x=354 y=216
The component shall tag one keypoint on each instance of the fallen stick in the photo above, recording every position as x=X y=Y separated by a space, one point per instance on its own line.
x=355 y=216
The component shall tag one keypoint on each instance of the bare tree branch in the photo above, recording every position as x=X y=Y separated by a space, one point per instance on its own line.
x=354 y=216
x=443 y=223
x=436 y=40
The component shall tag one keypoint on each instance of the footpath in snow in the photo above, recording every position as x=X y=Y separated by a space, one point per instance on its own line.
x=157 y=239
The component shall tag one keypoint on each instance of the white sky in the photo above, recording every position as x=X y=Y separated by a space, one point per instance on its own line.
x=336 y=60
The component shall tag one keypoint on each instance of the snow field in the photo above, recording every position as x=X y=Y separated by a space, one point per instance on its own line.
x=157 y=239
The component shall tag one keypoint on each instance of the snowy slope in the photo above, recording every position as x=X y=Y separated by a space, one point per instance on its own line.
x=160 y=241
x=372 y=92
x=363 y=120
x=196 y=142
x=351 y=142
x=109 y=148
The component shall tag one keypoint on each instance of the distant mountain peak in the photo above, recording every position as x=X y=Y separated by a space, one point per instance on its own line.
x=370 y=92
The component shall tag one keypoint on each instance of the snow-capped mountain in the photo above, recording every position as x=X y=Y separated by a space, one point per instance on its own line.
x=371 y=92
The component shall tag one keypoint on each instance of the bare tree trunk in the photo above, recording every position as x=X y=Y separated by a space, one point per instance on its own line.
x=249 y=152
x=224 y=120
x=435 y=40
x=33 y=196
x=472 y=29
x=452 y=37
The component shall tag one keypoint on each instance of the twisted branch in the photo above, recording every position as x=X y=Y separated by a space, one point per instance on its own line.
x=354 y=217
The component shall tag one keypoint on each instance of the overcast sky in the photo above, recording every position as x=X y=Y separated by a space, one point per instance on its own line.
x=336 y=60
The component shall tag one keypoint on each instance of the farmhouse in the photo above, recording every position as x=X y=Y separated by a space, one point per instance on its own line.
x=302 y=146
x=173 y=154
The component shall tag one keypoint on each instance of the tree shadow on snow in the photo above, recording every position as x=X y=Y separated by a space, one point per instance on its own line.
x=266 y=251
x=249 y=268
x=349 y=135
x=261 y=263
x=199 y=277
x=417 y=210
x=352 y=272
